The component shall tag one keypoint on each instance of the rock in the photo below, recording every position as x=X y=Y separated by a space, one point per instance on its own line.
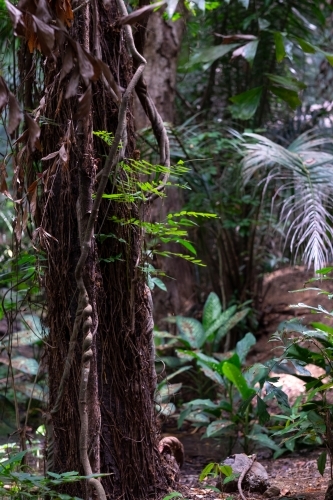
x=272 y=491
x=255 y=480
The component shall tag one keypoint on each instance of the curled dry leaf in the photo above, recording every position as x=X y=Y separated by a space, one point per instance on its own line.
x=171 y=445
x=34 y=132
x=73 y=83
x=67 y=63
x=50 y=156
x=15 y=114
x=109 y=78
x=16 y=17
x=63 y=153
x=32 y=196
x=84 y=104
x=64 y=12
x=45 y=35
x=141 y=13
x=4 y=94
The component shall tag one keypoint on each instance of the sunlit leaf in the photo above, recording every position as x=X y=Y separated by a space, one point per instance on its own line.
x=235 y=376
x=279 y=46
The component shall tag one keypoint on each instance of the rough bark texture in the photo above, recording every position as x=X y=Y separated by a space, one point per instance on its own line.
x=122 y=425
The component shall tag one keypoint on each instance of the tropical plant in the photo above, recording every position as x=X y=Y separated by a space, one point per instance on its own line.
x=302 y=176
x=308 y=422
x=18 y=483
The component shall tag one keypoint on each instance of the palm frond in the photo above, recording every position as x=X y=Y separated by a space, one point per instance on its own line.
x=303 y=181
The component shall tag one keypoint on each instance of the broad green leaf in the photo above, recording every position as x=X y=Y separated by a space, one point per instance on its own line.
x=34 y=391
x=235 y=376
x=25 y=365
x=244 y=345
x=321 y=462
x=229 y=324
x=307 y=47
x=219 y=427
x=325 y=270
x=286 y=83
x=191 y=331
x=202 y=403
x=245 y=3
x=287 y=95
x=281 y=397
x=211 y=54
x=245 y=105
x=159 y=283
x=264 y=440
x=248 y=51
x=214 y=376
x=226 y=470
x=221 y=320
x=206 y=471
x=167 y=390
x=211 y=311
x=256 y=373
x=279 y=46
x=22 y=338
x=317 y=421
x=197 y=417
x=263 y=414
x=166 y=409
x=322 y=327
x=7 y=416
x=174 y=494
x=188 y=245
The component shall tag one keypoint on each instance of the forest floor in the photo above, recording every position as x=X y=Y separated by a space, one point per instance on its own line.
x=296 y=474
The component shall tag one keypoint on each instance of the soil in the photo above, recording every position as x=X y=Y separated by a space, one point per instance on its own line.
x=296 y=474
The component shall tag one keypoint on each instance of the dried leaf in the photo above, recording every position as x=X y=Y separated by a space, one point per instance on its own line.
x=32 y=196
x=63 y=153
x=16 y=17
x=34 y=131
x=4 y=94
x=18 y=227
x=96 y=66
x=42 y=11
x=73 y=84
x=139 y=14
x=64 y=11
x=109 y=78
x=25 y=217
x=3 y=183
x=86 y=68
x=45 y=34
x=67 y=63
x=50 y=156
x=15 y=115
x=84 y=104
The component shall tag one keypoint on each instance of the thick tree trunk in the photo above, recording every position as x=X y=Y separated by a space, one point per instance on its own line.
x=122 y=432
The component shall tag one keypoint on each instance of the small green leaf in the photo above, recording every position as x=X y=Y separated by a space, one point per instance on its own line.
x=245 y=105
x=206 y=471
x=281 y=397
x=307 y=47
x=289 y=96
x=279 y=46
x=226 y=470
x=191 y=331
x=219 y=427
x=248 y=51
x=212 y=310
x=325 y=270
x=187 y=245
x=210 y=54
x=262 y=411
x=286 y=83
x=321 y=462
x=322 y=327
x=173 y=495
x=159 y=283
x=235 y=376
x=244 y=345
x=264 y=440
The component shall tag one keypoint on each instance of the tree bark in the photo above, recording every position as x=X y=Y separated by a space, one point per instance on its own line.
x=119 y=412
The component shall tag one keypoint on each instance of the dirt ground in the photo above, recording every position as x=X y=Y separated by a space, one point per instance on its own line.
x=296 y=474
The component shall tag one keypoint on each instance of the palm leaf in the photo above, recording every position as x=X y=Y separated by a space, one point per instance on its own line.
x=303 y=177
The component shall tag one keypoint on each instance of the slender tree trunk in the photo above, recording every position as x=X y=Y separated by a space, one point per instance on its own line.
x=161 y=45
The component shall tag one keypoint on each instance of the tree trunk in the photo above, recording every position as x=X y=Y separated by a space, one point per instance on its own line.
x=161 y=47
x=109 y=426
